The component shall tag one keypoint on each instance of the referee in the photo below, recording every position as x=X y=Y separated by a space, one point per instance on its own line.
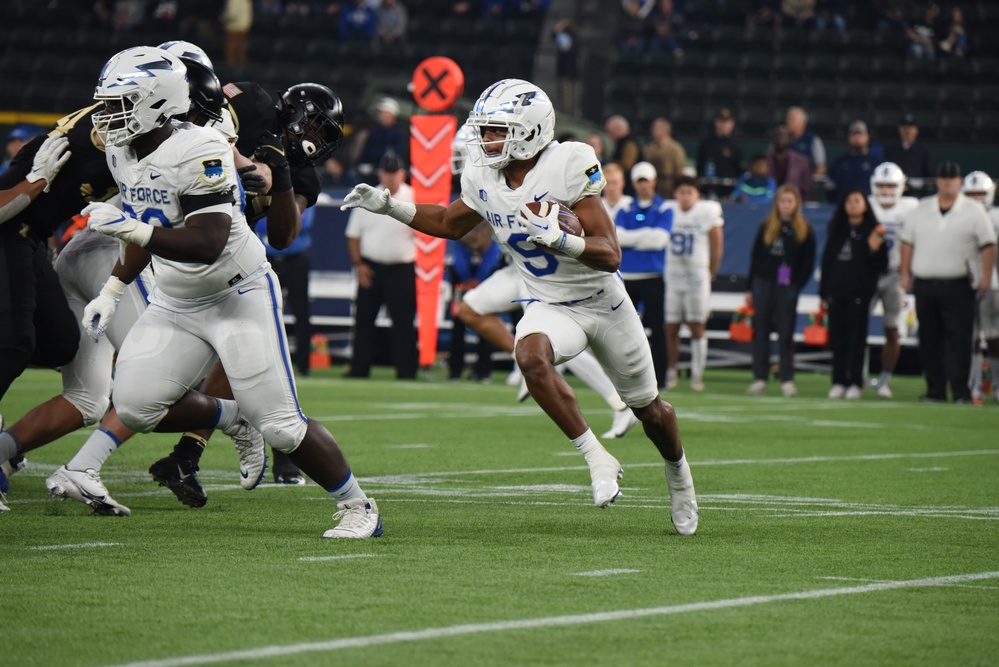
x=939 y=239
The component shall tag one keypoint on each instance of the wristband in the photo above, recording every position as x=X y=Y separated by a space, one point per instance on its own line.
x=573 y=246
x=113 y=288
x=403 y=211
x=281 y=178
x=140 y=235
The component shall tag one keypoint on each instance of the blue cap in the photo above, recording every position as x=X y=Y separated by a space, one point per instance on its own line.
x=25 y=132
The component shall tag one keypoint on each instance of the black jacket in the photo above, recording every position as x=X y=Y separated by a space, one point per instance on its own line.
x=767 y=260
x=849 y=268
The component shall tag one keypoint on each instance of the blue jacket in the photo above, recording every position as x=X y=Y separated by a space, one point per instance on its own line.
x=636 y=217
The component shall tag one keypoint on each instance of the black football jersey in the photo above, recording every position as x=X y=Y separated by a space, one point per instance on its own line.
x=83 y=179
x=254 y=115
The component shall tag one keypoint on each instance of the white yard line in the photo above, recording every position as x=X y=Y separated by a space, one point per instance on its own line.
x=430 y=634
x=341 y=557
x=85 y=545
x=604 y=573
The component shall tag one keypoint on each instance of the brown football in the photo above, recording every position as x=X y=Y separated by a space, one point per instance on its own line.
x=567 y=220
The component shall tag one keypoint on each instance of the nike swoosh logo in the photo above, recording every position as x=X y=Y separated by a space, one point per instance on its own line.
x=618 y=305
x=542 y=195
x=244 y=291
x=544 y=229
x=244 y=474
x=153 y=177
x=113 y=222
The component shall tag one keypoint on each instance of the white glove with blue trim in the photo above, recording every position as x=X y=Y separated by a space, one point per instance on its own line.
x=98 y=313
x=112 y=221
x=379 y=201
x=543 y=230
x=50 y=158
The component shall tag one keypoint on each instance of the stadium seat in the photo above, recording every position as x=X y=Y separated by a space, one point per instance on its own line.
x=826 y=42
x=856 y=96
x=755 y=120
x=787 y=94
x=957 y=126
x=856 y=68
x=821 y=95
x=987 y=127
x=789 y=67
x=822 y=67
x=922 y=99
x=756 y=66
x=985 y=98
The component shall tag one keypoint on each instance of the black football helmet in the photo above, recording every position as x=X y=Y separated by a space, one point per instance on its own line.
x=205 y=90
x=312 y=117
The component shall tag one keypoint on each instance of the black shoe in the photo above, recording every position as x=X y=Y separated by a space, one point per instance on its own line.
x=931 y=399
x=286 y=472
x=181 y=477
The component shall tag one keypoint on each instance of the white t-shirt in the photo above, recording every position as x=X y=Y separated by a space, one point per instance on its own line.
x=192 y=172
x=565 y=173
x=893 y=219
x=384 y=240
x=943 y=245
x=689 y=254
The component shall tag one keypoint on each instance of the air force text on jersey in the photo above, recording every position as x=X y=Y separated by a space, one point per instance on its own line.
x=144 y=195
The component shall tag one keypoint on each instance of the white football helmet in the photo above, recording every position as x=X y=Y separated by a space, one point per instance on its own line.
x=978 y=182
x=888 y=173
x=459 y=147
x=526 y=113
x=142 y=88
x=187 y=50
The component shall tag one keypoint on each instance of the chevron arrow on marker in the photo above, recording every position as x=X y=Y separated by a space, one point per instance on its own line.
x=427 y=181
x=427 y=245
x=430 y=143
x=425 y=275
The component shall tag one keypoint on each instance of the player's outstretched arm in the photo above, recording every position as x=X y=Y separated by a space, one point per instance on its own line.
x=602 y=252
x=451 y=222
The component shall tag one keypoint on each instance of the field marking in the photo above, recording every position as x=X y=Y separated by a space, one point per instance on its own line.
x=428 y=634
x=341 y=557
x=978 y=588
x=413 y=446
x=604 y=573
x=933 y=469
x=85 y=545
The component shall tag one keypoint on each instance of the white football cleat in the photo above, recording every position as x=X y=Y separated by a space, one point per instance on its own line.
x=604 y=473
x=884 y=391
x=672 y=380
x=852 y=393
x=523 y=393
x=836 y=391
x=3 y=508
x=683 y=502
x=758 y=388
x=87 y=488
x=359 y=519
x=697 y=384
x=624 y=420
x=788 y=389
x=252 y=452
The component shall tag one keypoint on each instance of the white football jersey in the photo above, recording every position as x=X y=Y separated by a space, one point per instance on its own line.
x=191 y=172
x=893 y=219
x=975 y=261
x=689 y=254
x=565 y=173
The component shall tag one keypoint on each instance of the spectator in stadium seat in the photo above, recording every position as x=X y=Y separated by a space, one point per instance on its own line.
x=797 y=14
x=831 y=14
x=237 y=19
x=922 y=34
x=665 y=23
x=383 y=138
x=910 y=154
x=633 y=28
x=719 y=157
x=626 y=149
x=854 y=257
x=756 y=186
x=392 y=21
x=666 y=155
x=955 y=44
x=782 y=261
x=788 y=166
x=805 y=141
x=358 y=22
x=853 y=170
x=763 y=12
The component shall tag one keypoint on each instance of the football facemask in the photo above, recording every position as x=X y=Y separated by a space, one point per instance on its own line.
x=521 y=109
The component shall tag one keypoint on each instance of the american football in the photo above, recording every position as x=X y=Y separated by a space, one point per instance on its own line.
x=567 y=220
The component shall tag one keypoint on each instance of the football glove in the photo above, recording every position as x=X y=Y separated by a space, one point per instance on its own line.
x=98 y=313
x=253 y=183
x=49 y=159
x=112 y=221
x=542 y=230
x=271 y=153
x=379 y=201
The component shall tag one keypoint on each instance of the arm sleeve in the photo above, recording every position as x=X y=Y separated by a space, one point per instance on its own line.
x=818 y=152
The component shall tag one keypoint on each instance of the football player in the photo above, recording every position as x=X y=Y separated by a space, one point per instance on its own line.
x=980 y=186
x=695 y=253
x=575 y=297
x=891 y=209
x=503 y=292
x=215 y=296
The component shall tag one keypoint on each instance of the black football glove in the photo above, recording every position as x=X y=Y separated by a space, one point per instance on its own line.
x=253 y=183
x=271 y=153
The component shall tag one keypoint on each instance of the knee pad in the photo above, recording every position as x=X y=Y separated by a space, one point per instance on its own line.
x=285 y=435
x=92 y=408
x=139 y=417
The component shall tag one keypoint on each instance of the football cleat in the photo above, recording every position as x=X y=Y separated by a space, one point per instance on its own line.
x=252 y=452
x=604 y=473
x=181 y=477
x=523 y=393
x=852 y=393
x=788 y=389
x=624 y=420
x=683 y=502
x=286 y=472
x=359 y=519
x=3 y=508
x=672 y=380
x=836 y=391
x=87 y=488
x=697 y=384
x=884 y=391
x=757 y=388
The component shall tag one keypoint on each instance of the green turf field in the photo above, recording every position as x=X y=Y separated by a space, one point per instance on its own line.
x=831 y=533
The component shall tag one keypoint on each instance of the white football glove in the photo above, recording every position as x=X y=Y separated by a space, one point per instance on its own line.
x=49 y=159
x=112 y=221
x=98 y=313
x=543 y=230
x=379 y=201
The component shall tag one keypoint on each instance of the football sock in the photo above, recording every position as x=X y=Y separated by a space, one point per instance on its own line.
x=95 y=451
x=672 y=375
x=347 y=489
x=677 y=471
x=228 y=414
x=586 y=367
x=885 y=378
x=588 y=444
x=190 y=447
x=698 y=357
x=10 y=446
x=994 y=370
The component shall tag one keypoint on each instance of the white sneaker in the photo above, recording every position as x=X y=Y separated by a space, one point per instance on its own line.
x=697 y=384
x=523 y=393
x=359 y=519
x=672 y=380
x=252 y=452
x=87 y=488
x=515 y=376
x=3 y=508
x=837 y=391
x=624 y=420
x=758 y=388
x=788 y=389
x=604 y=473
x=683 y=502
x=884 y=391
x=852 y=393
